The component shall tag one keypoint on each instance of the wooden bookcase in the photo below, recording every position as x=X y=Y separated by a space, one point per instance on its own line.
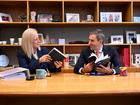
x=73 y=31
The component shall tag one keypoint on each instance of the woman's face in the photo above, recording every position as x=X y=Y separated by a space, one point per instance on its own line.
x=36 y=42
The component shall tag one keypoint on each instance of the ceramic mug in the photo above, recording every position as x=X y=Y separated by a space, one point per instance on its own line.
x=12 y=41
x=19 y=41
x=41 y=73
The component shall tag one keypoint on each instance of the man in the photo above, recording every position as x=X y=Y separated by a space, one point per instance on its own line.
x=96 y=46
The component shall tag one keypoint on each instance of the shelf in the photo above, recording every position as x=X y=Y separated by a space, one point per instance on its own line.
x=82 y=24
x=69 y=24
x=74 y=23
x=70 y=31
x=8 y=45
x=51 y=45
x=76 y=45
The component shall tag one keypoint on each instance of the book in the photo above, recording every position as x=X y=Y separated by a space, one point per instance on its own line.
x=97 y=62
x=125 y=57
x=12 y=71
x=57 y=55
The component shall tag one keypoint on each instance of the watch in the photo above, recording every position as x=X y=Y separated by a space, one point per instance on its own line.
x=113 y=71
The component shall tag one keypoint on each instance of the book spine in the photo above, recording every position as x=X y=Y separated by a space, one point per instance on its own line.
x=125 y=57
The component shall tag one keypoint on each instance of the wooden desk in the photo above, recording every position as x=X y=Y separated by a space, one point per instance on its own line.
x=72 y=89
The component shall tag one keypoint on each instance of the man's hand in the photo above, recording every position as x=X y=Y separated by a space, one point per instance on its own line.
x=103 y=69
x=87 y=68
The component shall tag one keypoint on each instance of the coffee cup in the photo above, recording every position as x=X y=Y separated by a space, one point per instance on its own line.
x=1 y=42
x=41 y=73
x=12 y=41
x=19 y=41
x=4 y=42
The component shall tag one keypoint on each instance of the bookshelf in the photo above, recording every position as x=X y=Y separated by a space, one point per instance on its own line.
x=73 y=31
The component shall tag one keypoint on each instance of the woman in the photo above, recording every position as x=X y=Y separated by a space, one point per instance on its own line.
x=33 y=56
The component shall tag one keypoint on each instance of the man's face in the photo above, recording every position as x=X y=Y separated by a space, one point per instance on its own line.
x=93 y=42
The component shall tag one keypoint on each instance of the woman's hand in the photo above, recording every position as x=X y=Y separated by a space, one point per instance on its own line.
x=58 y=64
x=45 y=58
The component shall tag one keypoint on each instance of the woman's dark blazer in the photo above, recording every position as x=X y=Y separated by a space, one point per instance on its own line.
x=33 y=64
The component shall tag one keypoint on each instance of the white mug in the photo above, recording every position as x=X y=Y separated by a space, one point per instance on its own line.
x=1 y=42
x=12 y=41
x=4 y=42
x=19 y=41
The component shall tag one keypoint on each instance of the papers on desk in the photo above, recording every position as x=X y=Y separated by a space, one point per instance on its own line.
x=15 y=76
x=12 y=71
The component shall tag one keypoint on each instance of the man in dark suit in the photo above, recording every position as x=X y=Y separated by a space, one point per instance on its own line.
x=96 y=46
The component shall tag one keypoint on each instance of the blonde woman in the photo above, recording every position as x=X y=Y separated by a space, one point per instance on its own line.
x=33 y=56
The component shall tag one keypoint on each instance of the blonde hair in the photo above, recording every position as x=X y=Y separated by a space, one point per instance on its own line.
x=27 y=41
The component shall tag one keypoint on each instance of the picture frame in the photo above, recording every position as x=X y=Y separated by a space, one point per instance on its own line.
x=117 y=16
x=41 y=38
x=103 y=17
x=138 y=38
x=5 y=17
x=130 y=37
x=61 y=41
x=117 y=39
x=72 y=17
x=136 y=19
x=110 y=16
x=137 y=59
x=44 y=17
x=73 y=58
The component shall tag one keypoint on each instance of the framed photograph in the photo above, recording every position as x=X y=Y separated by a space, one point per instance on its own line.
x=5 y=17
x=44 y=18
x=117 y=17
x=117 y=39
x=103 y=17
x=138 y=38
x=61 y=41
x=110 y=16
x=136 y=19
x=72 y=17
x=137 y=58
x=130 y=36
x=73 y=59
x=41 y=38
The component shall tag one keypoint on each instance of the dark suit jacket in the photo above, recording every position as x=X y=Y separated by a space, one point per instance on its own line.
x=85 y=53
x=33 y=64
